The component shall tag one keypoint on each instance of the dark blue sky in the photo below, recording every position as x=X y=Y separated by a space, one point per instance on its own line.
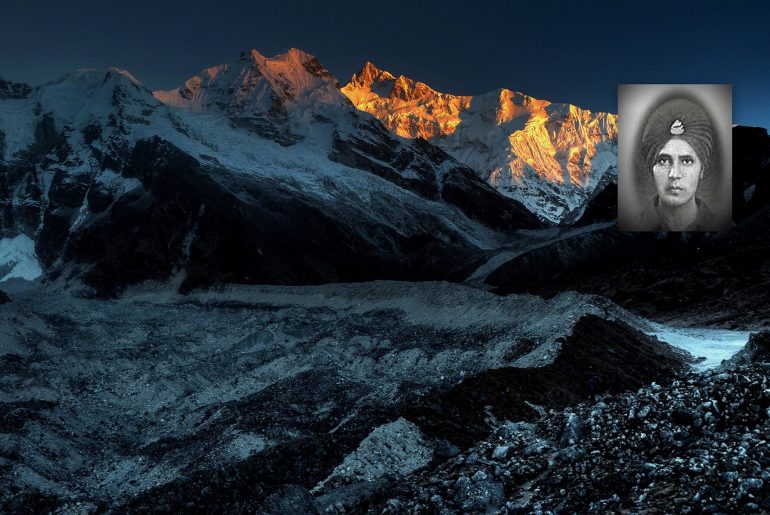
x=561 y=51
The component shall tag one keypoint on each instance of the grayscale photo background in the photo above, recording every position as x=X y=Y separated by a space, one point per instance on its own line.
x=635 y=185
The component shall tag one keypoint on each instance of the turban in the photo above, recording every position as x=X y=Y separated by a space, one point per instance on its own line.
x=678 y=118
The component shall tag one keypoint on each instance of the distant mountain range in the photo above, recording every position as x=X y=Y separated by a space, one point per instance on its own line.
x=257 y=171
x=265 y=170
x=551 y=157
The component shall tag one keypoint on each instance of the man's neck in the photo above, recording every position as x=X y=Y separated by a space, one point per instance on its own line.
x=678 y=218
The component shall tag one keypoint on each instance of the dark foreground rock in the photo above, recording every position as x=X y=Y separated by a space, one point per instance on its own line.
x=696 y=446
x=757 y=350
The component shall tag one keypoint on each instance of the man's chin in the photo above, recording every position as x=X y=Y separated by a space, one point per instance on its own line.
x=674 y=201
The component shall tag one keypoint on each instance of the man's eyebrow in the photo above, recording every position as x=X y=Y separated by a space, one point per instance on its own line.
x=664 y=155
x=686 y=156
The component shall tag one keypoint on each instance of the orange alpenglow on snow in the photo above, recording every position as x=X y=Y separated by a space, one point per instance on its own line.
x=250 y=84
x=551 y=157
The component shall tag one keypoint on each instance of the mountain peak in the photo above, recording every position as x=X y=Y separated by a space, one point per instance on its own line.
x=257 y=57
x=407 y=89
x=291 y=55
x=93 y=93
x=369 y=74
x=300 y=55
x=257 y=84
x=297 y=58
x=124 y=73
x=370 y=69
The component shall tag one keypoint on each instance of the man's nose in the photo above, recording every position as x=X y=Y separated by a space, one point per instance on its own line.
x=675 y=172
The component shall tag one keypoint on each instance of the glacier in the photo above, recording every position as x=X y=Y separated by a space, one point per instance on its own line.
x=18 y=259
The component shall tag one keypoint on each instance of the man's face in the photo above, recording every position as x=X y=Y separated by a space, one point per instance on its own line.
x=677 y=171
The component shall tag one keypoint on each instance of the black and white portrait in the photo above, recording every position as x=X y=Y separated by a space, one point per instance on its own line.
x=674 y=157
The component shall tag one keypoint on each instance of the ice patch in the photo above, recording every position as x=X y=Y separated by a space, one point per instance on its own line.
x=18 y=259
x=714 y=345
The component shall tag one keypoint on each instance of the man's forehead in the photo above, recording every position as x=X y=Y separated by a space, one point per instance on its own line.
x=677 y=146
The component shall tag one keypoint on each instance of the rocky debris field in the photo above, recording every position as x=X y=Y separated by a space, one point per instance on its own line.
x=698 y=445
x=244 y=397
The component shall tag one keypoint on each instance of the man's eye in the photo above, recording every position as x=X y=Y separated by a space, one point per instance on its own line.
x=687 y=161
x=664 y=161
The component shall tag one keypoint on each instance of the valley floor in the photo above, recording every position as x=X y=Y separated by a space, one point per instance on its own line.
x=218 y=399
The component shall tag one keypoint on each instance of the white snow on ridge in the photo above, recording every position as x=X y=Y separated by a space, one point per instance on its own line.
x=714 y=345
x=87 y=94
x=18 y=259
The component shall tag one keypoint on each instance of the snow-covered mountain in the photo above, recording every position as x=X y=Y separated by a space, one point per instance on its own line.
x=255 y=171
x=551 y=157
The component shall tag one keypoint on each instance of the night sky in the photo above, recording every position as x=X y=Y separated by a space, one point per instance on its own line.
x=549 y=50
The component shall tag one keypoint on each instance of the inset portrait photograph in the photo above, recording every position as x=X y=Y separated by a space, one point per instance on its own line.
x=674 y=157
